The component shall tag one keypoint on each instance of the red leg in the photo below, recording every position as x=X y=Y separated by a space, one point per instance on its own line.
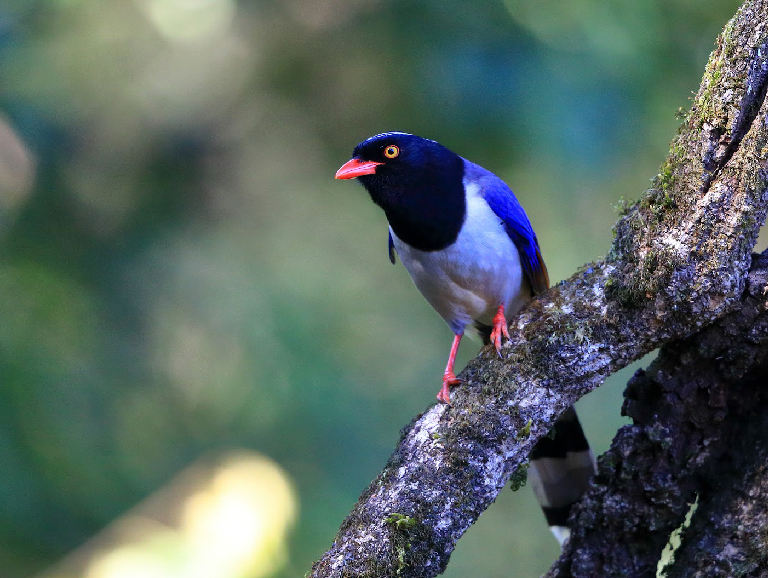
x=449 y=378
x=499 y=329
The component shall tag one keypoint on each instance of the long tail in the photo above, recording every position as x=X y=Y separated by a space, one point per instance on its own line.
x=561 y=466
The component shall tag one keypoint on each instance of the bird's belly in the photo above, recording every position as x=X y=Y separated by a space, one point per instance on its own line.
x=468 y=280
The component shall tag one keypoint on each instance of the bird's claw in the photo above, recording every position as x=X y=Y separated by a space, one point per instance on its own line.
x=449 y=380
x=500 y=330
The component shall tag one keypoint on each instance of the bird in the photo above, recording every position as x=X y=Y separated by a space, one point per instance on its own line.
x=459 y=231
x=470 y=249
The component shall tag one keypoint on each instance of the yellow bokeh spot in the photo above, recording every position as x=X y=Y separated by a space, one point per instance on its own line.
x=228 y=521
x=189 y=20
x=241 y=517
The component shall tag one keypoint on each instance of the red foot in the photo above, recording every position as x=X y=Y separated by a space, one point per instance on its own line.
x=449 y=378
x=499 y=329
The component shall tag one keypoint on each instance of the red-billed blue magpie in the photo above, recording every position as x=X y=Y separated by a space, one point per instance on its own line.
x=471 y=250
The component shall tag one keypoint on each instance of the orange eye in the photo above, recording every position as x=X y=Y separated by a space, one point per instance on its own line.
x=391 y=151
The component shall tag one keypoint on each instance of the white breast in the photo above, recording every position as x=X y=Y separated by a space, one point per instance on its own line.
x=468 y=280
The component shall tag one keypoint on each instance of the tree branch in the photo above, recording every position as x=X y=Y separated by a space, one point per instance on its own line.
x=689 y=410
x=729 y=530
x=678 y=263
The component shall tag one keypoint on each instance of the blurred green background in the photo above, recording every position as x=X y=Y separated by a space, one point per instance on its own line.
x=182 y=278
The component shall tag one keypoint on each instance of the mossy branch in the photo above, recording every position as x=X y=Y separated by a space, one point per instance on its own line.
x=700 y=415
x=678 y=263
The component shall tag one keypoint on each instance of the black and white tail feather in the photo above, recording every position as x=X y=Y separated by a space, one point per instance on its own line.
x=561 y=466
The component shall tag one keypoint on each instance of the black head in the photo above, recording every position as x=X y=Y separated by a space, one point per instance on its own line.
x=418 y=183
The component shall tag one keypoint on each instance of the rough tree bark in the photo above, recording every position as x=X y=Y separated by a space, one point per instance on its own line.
x=699 y=417
x=676 y=276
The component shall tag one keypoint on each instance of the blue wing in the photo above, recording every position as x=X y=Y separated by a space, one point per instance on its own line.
x=391 y=249
x=503 y=202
